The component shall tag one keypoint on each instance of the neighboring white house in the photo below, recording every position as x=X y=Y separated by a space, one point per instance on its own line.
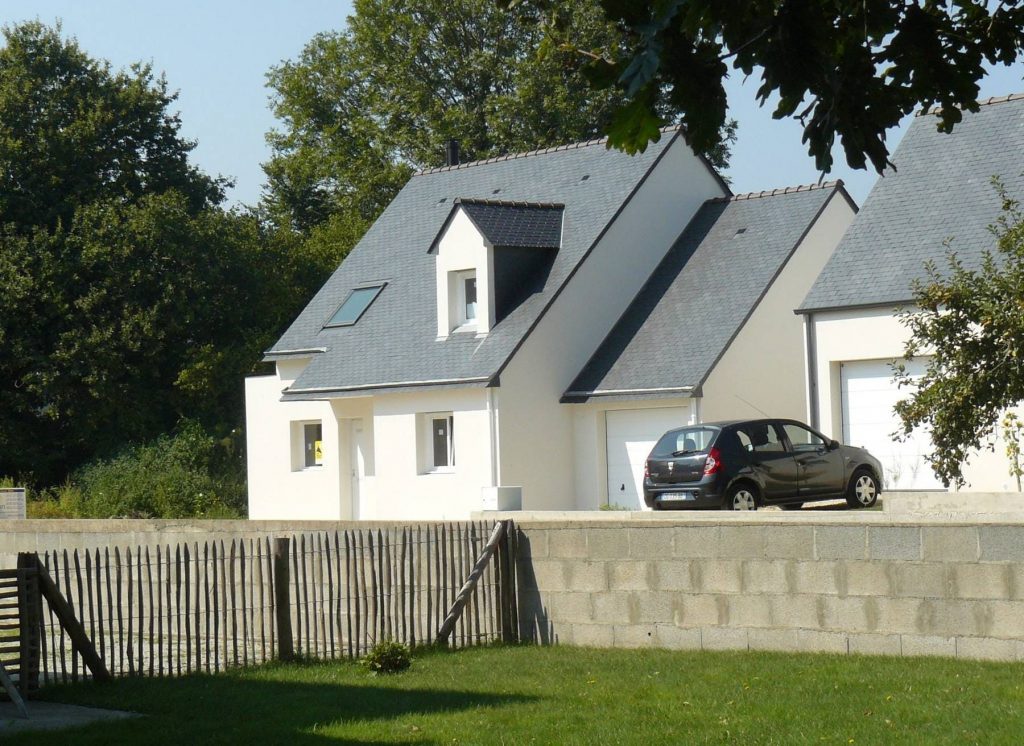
x=536 y=322
x=941 y=191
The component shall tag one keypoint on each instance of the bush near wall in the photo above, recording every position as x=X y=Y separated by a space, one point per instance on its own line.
x=188 y=474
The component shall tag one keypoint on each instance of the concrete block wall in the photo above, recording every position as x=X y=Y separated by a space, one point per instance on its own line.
x=841 y=583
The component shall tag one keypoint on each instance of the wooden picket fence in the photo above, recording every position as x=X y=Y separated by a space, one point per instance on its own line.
x=211 y=605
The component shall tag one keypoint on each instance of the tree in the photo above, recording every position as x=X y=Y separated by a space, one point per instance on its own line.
x=970 y=324
x=846 y=69
x=364 y=107
x=128 y=298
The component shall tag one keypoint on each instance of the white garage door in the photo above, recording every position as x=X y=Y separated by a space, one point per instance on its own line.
x=631 y=435
x=869 y=395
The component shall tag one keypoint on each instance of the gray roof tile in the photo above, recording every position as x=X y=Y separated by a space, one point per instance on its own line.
x=395 y=342
x=516 y=224
x=942 y=192
x=702 y=293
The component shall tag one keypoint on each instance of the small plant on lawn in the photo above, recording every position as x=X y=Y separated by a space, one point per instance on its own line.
x=388 y=656
x=1012 y=428
x=613 y=506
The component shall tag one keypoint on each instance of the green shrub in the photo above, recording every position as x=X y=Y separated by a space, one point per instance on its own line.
x=187 y=474
x=388 y=656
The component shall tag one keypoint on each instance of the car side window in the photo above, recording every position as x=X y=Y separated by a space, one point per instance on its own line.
x=802 y=438
x=759 y=437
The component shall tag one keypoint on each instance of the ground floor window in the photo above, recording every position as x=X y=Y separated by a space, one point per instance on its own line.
x=307 y=444
x=436 y=442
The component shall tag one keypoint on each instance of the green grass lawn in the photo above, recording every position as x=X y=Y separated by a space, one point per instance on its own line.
x=573 y=696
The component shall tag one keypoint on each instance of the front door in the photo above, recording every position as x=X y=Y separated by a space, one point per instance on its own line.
x=774 y=465
x=357 y=464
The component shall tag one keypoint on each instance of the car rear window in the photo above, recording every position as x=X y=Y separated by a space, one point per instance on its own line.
x=689 y=439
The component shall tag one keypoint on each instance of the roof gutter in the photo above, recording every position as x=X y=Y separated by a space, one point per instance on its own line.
x=389 y=385
x=628 y=392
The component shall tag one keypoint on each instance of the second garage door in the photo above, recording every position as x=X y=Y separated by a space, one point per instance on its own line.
x=868 y=397
x=631 y=434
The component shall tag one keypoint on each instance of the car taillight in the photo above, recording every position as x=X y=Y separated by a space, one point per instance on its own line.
x=647 y=470
x=713 y=462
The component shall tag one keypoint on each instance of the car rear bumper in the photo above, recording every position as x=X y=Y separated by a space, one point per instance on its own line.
x=684 y=496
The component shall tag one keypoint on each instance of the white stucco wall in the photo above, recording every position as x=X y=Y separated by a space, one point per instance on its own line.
x=877 y=334
x=762 y=370
x=537 y=434
x=276 y=491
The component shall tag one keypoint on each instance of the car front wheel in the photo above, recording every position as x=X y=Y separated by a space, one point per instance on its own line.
x=863 y=490
x=740 y=497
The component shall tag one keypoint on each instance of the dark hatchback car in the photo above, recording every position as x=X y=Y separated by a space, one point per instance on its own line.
x=743 y=465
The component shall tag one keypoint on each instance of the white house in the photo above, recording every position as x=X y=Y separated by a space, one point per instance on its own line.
x=535 y=322
x=941 y=191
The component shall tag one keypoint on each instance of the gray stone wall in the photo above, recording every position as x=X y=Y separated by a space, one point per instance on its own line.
x=845 y=584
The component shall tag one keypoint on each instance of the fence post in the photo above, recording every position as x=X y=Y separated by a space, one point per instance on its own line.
x=505 y=585
x=29 y=618
x=282 y=602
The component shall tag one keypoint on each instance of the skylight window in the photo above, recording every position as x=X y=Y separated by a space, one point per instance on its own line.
x=355 y=306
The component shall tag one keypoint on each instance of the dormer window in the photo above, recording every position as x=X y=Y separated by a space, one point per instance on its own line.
x=467 y=284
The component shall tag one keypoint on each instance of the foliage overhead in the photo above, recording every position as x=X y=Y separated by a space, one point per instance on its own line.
x=970 y=324
x=846 y=69
x=362 y=108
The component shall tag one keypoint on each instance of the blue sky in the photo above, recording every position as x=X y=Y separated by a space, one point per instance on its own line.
x=217 y=54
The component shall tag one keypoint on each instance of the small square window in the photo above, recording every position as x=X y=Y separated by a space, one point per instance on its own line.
x=463 y=298
x=355 y=306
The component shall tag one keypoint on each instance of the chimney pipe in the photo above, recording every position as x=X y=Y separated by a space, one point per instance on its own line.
x=451 y=153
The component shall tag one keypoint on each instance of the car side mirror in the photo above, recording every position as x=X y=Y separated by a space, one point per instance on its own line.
x=833 y=445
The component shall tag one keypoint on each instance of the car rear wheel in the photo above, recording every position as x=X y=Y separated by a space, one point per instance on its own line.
x=863 y=490
x=740 y=497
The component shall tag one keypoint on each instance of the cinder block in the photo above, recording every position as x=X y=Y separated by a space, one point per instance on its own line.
x=987 y=648
x=898 y=615
x=810 y=640
x=655 y=607
x=585 y=576
x=677 y=638
x=1017 y=582
x=982 y=580
x=695 y=541
x=607 y=543
x=722 y=576
x=697 y=611
x=789 y=542
x=949 y=543
x=750 y=611
x=533 y=543
x=794 y=612
x=567 y=543
x=814 y=577
x=921 y=580
x=672 y=575
x=894 y=542
x=915 y=645
x=592 y=635
x=868 y=578
x=570 y=607
x=613 y=607
x=872 y=644
x=650 y=542
x=629 y=575
x=840 y=542
x=760 y=576
x=741 y=541
x=634 y=636
x=1007 y=619
x=724 y=638
x=549 y=575
x=845 y=614
x=773 y=639
x=1001 y=543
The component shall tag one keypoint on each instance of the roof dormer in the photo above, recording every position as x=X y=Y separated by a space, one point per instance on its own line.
x=491 y=255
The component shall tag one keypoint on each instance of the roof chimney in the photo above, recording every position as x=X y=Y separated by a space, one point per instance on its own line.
x=451 y=153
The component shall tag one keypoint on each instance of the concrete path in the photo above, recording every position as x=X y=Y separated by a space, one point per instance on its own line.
x=53 y=715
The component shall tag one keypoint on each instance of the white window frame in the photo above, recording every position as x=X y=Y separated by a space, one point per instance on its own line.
x=427 y=443
x=300 y=445
x=462 y=319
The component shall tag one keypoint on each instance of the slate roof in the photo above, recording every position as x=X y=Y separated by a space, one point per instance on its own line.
x=941 y=191
x=516 y=224
x=697 y=300
x=395 y=343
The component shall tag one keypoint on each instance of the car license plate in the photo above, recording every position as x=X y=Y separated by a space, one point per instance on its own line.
x=677 y=497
